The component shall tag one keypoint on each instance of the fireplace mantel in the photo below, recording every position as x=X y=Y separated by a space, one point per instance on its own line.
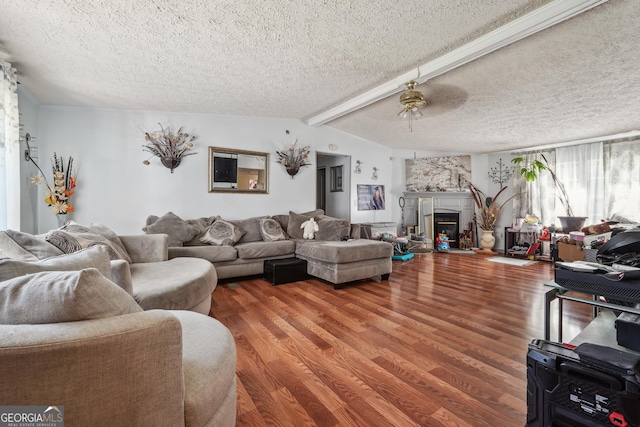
x=443 y=201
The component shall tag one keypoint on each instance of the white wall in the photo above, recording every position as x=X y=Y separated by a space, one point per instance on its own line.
x=116 y=189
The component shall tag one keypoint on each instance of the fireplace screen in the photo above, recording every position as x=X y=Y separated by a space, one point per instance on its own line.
x=448 y=223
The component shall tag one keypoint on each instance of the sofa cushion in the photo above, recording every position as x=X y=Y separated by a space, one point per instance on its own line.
x=255 y=250
x=295 y=222
x=178 y=230
x=344 y=251
x=330 y=228
x=19 y=245
x=177 y=284
x=251 y=227
x=96 y=234
x=271 y=230
x=74 y=241
x=62 y=296
x=211 y=253
x=222 y=232
x=284 y=219
x=209 y=365
x=93 y=257
x=201 y=224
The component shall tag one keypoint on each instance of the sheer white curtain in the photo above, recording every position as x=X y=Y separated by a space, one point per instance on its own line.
x=581 y=169
x=536 y=198
x=9 y=148
x=622 y=183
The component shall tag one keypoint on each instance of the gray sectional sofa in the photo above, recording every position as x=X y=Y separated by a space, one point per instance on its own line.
x=70 y=335
x=139 y=264
x=240 y=247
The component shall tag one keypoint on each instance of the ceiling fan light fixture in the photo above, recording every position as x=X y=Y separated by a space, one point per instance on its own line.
x=412 y=100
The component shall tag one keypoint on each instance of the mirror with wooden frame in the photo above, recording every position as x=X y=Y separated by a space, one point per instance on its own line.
x=425 y=217
x=238 y=171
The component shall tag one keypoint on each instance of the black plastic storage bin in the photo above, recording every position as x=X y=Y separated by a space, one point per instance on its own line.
x=285 y=270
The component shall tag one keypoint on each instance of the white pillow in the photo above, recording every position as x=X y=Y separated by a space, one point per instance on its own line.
x=62 y=296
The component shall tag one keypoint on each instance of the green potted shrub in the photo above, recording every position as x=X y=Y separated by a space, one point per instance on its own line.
x=530 y=173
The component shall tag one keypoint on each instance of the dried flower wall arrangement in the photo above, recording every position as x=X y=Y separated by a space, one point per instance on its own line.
x=294 y=158
x=168 y=146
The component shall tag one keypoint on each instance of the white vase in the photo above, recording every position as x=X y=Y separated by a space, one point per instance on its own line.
x=487 y=240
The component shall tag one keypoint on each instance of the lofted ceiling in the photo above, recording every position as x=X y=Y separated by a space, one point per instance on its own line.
x=574 y=80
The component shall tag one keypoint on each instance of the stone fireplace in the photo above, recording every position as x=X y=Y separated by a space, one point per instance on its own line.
x=448 y=207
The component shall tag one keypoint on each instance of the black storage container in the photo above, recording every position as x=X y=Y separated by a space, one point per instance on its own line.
x=589 y=386
x=628 y=331
x=285 y=270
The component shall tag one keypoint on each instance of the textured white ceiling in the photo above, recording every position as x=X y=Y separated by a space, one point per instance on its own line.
x=280 y=58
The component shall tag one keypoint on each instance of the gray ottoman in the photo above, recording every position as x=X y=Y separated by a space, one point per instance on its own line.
x=346 y=261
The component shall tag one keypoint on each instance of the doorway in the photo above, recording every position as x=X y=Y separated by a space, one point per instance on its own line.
x=321 y=188
x=333 y=169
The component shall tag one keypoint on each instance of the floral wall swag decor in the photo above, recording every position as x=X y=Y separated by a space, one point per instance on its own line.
x=294 y=158
x=168 y=146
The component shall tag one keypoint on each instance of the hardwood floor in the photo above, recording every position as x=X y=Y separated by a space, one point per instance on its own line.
x=442 y=343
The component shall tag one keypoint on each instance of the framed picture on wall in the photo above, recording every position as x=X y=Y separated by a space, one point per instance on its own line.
x=371 y=197
x=336 y=178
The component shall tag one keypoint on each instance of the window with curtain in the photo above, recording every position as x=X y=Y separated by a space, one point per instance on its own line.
x=536 y=198
x=602 y=179
x=9 y=148
x=622 y=179
x=580 y=168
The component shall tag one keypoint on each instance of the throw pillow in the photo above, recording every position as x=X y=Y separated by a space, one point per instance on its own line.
x=251 y=229
x=201 y=224
x=314 y=213
x=271 y=230
x=98 y=234
x=18 y=245
x=178 y=230
x=295 y=222
x=221 y=233
x=70 y=242
x=94 y=257
x=330 y=228
x=62 y=296
x=283 y=220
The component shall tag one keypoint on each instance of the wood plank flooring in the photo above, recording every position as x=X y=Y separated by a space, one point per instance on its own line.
x=442 y=343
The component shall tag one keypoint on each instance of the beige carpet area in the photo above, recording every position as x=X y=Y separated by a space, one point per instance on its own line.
x=510 y=261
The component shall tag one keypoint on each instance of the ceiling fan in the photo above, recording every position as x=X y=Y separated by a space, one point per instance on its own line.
x=412 y=101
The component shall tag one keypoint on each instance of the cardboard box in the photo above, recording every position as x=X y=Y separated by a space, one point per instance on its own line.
x=570 y=252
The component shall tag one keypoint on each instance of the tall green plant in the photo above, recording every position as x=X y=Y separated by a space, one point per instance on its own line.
x=531 y=171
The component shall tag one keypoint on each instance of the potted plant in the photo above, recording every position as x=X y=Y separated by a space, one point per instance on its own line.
x=531 y=171
x=489 y=208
